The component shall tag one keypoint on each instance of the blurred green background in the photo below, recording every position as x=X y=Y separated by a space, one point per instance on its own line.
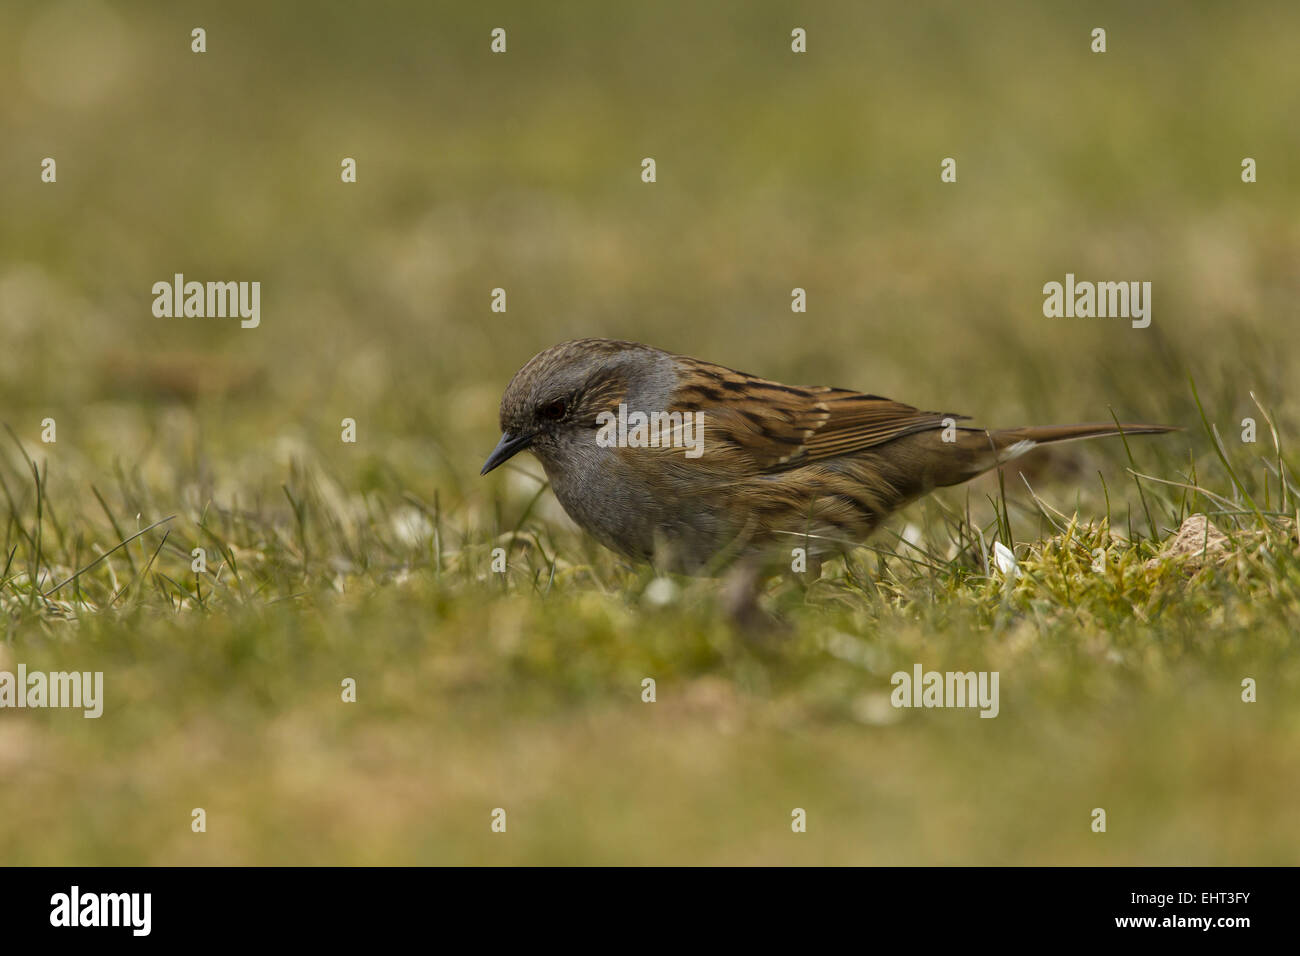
x=522 y=171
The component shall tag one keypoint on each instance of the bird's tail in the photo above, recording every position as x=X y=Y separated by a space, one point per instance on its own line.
x=1010 y=443
x=977 y=451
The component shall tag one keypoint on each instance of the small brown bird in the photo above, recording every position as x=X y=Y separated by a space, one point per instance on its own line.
x=685 y=463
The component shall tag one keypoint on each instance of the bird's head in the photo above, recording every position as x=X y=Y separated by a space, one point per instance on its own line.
x=553 y=401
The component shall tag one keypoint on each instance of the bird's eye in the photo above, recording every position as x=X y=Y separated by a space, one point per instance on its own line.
x=553 y=411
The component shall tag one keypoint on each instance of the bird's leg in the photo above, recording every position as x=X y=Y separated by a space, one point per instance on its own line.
x=742 y=585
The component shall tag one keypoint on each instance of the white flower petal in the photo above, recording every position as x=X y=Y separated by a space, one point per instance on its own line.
x=1005 y=560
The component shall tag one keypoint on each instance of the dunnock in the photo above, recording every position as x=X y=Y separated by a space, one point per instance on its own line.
x=667 y=458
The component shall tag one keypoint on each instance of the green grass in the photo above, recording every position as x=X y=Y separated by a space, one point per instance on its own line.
x=1120 y=687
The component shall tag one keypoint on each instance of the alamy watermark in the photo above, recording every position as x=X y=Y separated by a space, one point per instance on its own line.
x=1086 y=300
x=76 y=689
x=130 y=910
x=923 y=688
x=651 y=430
x=210 y=300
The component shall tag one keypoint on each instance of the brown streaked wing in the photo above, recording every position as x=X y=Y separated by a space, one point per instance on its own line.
x=787 y=426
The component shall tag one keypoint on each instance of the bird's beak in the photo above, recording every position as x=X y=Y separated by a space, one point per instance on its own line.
x=509 y=446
